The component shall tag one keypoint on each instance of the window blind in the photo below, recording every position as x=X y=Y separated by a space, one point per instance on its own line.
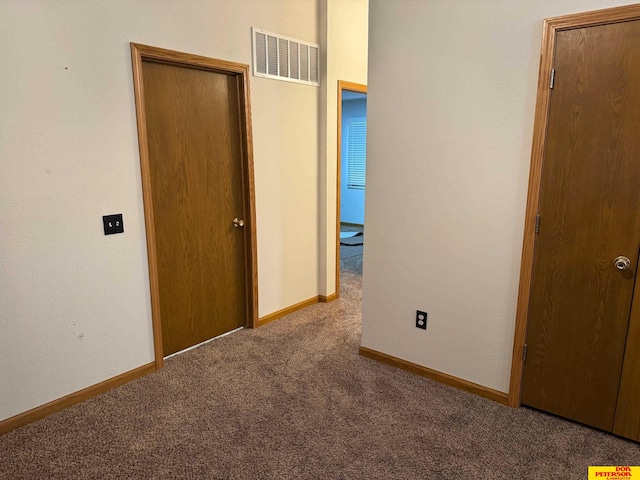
x=357 y=153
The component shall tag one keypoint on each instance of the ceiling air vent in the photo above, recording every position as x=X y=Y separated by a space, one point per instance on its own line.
x=283 y=58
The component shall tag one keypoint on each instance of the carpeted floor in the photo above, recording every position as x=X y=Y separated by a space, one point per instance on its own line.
x=294 y=400
x=348 y=251
x=351 y=246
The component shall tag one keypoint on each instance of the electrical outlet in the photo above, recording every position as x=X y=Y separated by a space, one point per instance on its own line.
x=113 y=224
x=421 y=319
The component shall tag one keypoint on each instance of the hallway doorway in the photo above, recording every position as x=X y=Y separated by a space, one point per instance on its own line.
x=351 y=168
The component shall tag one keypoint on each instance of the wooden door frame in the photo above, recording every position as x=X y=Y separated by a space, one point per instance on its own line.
x=139 y=53
x=351 y=87
x=551 y=27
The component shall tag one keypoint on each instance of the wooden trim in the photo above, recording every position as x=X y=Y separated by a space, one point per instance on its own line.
x=143 y=146
x=286 y=311
x=450 y=380
x=550 y=28
x=328 y=298
x=352 y=87
x=74 y=398
x=139 y=53
x=163 y=55
x=250 y=231
x=535 y=172
x=625 y=13
x=253 y=263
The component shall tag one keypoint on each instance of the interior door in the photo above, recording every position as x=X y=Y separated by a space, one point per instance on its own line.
x=193 y=132
x=581 y=296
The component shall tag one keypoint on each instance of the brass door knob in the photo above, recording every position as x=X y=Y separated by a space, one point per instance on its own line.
x=622 y=262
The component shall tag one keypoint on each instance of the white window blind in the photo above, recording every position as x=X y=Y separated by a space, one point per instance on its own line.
x=357 y=153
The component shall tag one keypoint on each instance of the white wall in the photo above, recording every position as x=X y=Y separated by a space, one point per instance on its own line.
x=452 y=90
x=74 y=304
x=344 y=58
x=351 y=199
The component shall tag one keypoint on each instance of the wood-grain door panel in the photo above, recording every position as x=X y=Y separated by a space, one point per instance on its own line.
x=590 y=195
x=193 y=132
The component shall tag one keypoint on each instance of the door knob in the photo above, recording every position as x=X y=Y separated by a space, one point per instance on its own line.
x=239 y=223
x=622 y=262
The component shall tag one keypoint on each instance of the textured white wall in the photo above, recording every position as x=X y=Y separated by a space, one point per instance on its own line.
x=452 y=90
x=345 y=37
x=74 y=304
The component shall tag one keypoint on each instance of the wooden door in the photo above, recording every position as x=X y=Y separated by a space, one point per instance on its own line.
x=589 y=214
x=194 y=141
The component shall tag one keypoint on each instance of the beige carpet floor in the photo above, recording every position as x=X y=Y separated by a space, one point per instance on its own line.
x=295 y=400
x=355 y=249
x=348 y=251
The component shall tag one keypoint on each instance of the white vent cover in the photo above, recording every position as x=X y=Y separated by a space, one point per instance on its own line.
x=283 y=58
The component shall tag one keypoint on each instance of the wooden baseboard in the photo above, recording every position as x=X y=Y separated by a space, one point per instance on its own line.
x=450 y=380
x=286 y=311
x=294 y=308
x=328 y=298
x=72 y=399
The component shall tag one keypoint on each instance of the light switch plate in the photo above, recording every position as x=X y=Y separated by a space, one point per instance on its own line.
x=113 y=224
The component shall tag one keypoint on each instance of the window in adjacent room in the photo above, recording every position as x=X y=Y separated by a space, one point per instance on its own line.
x=357 y=153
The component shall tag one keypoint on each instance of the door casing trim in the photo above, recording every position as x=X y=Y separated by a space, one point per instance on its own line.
x=351 y=87
x=551 y=27
x=139 y=53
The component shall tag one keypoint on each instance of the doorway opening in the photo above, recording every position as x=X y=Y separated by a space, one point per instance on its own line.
x=351 y=173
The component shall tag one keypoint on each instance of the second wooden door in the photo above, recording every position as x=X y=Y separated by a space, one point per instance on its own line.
x=581 y=296
x=193 y=134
